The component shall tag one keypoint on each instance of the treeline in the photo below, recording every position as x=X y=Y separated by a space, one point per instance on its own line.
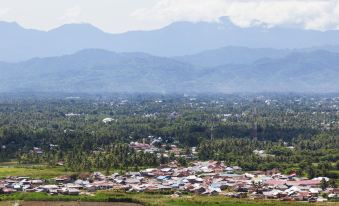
x=116 y=156
x=71 y=130
x=316 y=156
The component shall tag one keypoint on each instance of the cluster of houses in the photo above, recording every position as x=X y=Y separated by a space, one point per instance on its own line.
x=203 y=178
x=150 y=148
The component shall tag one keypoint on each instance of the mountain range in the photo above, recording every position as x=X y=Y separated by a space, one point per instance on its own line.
x=177 y=39
x=183 y=57
x=97 y=70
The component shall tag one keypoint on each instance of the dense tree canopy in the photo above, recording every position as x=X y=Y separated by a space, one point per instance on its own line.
x=298 y=132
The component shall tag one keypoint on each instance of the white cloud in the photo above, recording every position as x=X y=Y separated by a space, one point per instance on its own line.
x=4 y=11
x=311 y=14
x=71 y=15
x=126 y=15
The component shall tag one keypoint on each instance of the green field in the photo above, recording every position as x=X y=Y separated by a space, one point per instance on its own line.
x=61 y=203
x=149 y=199
x=32 y=171
x=12 y=168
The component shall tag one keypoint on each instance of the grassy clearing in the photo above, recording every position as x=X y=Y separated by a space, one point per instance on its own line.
x=9 y=163
x=34 y=172
x=60 y=203
x=215 y=201
x=150 y=199
x=98 y=197
x=12 y=168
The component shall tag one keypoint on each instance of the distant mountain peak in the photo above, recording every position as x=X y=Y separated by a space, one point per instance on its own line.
x=9 y=23
x=9 y=26
x=226 y=21
x=77 y=27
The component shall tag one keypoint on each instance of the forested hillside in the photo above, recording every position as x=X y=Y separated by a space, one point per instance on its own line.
x=296 y=132
x=97 y=71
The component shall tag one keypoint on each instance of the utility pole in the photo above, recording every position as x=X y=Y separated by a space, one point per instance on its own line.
x=212 y=127
x=254 y=132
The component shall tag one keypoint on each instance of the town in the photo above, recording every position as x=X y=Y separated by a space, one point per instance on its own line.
x=201 y=178
x=191 y=149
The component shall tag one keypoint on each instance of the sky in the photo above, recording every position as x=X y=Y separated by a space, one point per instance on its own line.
x=117 y=16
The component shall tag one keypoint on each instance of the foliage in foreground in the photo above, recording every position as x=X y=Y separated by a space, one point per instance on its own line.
x=149 y=199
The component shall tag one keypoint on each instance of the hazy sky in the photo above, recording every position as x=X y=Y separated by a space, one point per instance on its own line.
x=123 y=15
